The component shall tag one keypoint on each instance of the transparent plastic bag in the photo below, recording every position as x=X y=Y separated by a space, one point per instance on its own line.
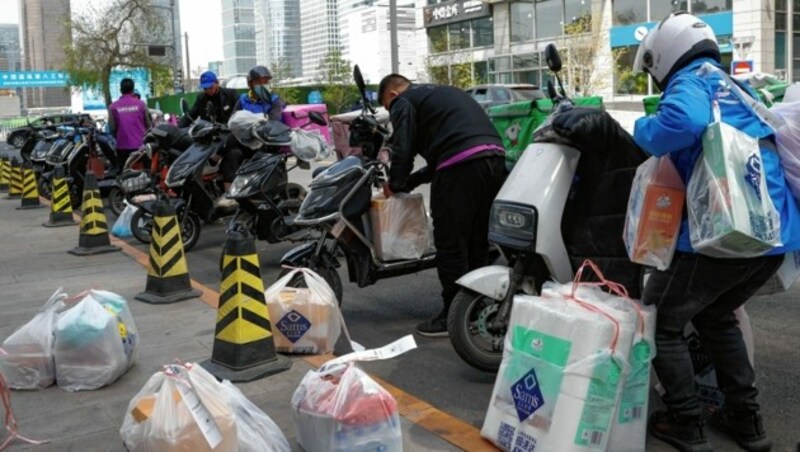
x=306 y=320
x=95 y=342
x=26 y=357
x=255 y=431
x=241 y=126
x=122 y=227
x=787 y=139
x=655 y=210
x=730 y=211
x=309 y=145
x=180 y=408
x=400 y=226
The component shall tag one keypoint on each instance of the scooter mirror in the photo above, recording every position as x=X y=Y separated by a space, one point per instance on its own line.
x=362 y=87
x=551 y=89
x=317 y=118
x=552 y=57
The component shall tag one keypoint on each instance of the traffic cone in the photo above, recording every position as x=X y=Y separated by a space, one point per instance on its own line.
x=60 y=204
x=167 y=275
x=30 y=194
x=93 y=237
x=15 y=180
x=4 y=173
x=243 y=346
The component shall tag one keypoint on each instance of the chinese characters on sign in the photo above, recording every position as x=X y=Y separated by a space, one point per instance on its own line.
x=32 y=79
x=455 y=11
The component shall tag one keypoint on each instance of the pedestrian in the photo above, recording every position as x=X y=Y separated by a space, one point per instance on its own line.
x=465 y=165
x=259 y=99
x=128 y=120
x=215 y=103
x=696 y=288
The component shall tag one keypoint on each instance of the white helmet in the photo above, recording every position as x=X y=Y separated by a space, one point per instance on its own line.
x=677 y=40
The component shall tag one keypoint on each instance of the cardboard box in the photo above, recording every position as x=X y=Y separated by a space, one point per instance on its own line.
x=399 y=226
x=144 y=409
x=302 y=322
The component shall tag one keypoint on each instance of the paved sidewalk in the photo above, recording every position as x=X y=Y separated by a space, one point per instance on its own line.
x=34 y=262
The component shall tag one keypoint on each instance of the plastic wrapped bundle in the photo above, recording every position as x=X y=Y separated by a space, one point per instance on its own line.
x=309 y=145
x=95 y=342
x=26 y=357
x=241 y=126
x=306 y=320
x=400 y=226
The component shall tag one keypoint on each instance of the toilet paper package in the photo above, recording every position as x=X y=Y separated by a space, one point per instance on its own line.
x=561 y=376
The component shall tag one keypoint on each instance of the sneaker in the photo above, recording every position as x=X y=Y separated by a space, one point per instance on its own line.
x=685 y=434
x=435 y=327
x=746 y=428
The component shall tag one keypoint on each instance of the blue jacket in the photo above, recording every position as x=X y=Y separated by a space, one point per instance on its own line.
x=677 y=129
x=273 y=110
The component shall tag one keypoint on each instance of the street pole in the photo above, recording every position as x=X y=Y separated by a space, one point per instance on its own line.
x=188 y=65
x=393 y=35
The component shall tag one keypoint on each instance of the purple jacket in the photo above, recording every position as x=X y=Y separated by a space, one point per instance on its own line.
x=129 y=120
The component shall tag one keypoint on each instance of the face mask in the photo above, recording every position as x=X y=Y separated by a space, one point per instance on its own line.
x=262 y=93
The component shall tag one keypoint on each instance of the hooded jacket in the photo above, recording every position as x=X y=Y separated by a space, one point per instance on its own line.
x=677 y=129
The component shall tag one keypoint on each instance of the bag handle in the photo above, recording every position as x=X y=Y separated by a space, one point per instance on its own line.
x=10 y=422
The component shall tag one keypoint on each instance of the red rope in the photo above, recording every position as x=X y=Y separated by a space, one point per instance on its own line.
x=10 y=420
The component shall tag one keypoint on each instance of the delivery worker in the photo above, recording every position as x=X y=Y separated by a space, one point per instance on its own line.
x=466 y=166
x=695 y=288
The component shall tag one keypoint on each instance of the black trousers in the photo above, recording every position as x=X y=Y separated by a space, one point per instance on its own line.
x=461 y=197
x=705 y=291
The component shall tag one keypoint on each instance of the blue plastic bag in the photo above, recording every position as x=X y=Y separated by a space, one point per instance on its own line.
x=122 y=227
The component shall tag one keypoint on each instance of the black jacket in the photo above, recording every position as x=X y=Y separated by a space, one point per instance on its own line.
x=435 y=122
x=221 y=106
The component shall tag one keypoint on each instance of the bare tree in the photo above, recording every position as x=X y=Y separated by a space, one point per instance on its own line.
x=586 y=68
x=114 y=34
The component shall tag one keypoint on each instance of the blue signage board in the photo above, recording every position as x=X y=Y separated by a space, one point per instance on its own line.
x=32 y=79
x=93 y=97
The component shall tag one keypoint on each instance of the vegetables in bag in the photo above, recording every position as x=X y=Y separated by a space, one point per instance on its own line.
x=180 y=408
x=95 y=342
x=655 y=210
x=26 y=357
x=730 y=211
x=306 y=320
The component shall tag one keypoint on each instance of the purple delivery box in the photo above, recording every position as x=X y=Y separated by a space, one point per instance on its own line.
x=297 y=115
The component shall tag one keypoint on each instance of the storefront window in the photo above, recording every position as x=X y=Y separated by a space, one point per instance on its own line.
x=548 y=18
x=481 y=72
x=629 y=12
x=659 y=9
x=711 y=6
x=482 y=32
x=577 y=11
x=459 y=35
x=521 y=17
x=528 y=61
x=437 y=39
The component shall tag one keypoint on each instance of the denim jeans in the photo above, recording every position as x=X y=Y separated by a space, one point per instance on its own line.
x=705 y=291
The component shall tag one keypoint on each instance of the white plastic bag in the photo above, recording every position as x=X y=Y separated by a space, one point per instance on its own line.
x=730 y=211
x=95 y=342
x=308 y=145
x=340 y=408
x=255 y=431
x=306 y=320
x=400 y=226
x=787 y=139
x=783 y=280
x=26 y=357
x=241 y=126
x=180 y=408
x=122 y=227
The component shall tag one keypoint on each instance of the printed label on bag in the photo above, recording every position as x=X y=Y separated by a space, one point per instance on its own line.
x=293 y=325
x=600 y=398
x=637 y=387
x=202 y=417
x=510 y=439
x=527 y=395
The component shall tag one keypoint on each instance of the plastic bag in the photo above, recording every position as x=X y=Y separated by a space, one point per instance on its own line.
x=400 y=226
x=341 y=408
x=787 y=139
x=783 y=280
x=308 y=146
x=255 y=431
x=180 y=408
x=306 y=320
x=655 y=210
x=26 y=357
x=122 y=227
x=95 y=342
x=730 y=211
x=241 y=126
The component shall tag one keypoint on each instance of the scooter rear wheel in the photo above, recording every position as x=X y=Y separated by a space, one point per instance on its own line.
x=468 y=328
x=116 y=200
x=142 y=225
x=43 y=187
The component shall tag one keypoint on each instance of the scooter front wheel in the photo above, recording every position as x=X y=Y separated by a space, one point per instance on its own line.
x=471 y=333
x=116 y=200
x=43 y=186
x=190 y=229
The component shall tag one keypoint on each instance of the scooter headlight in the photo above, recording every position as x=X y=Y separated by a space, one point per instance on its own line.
x=242 y=186
x=513 y=225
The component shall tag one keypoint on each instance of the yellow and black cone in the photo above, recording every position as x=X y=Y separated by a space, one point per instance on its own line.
x=15 y=180
x=30 y=194
x=60 y=204
x=244 y=349
x=167 y=275
x=93 y=237
x=4 y=173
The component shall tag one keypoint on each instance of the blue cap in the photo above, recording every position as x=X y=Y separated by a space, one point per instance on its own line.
x=207 y=79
